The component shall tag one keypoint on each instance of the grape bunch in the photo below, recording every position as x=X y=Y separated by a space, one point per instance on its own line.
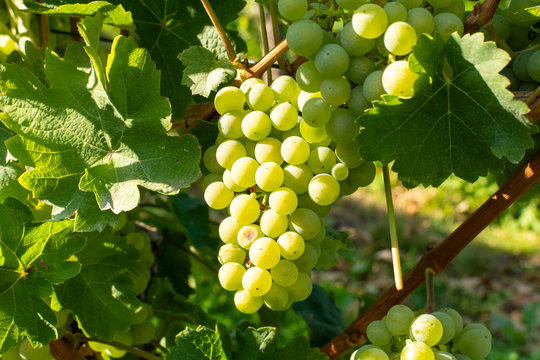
x=276 y=173
x=436 y=336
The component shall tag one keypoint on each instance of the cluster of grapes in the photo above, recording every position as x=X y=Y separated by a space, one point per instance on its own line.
x=436 y=336
x=277 y=173
x=369 y=57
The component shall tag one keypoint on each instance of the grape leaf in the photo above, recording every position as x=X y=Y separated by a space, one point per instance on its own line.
x=259 y=343
x=197 y=344
x=460 y=121
x=101 y=296
x=9 y=186
x=33 y=258
x=204 y=72
x=331 y=247
x=109 y=142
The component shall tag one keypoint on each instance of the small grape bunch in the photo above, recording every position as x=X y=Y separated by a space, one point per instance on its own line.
x=276 y=172
x=436 y=336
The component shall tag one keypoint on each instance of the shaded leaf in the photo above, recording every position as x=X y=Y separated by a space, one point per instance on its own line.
x=197 y=344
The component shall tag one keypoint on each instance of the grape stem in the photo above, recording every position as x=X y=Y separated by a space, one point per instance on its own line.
x=222 y=34
x=430 y=291
x=130 y=349
x=393 y=229
x=481 y=15
x=266 y=46
x=275 y=32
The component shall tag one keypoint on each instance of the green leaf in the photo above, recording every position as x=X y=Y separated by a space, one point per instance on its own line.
x=101 y=296
x=108 y=142
x=334 y=243
x=192 y=214
x=259 y=343
x=205 y=73
x=198 y=344
x=33 y=256
x=460 y=121
x=9 y=186
x=298 y=349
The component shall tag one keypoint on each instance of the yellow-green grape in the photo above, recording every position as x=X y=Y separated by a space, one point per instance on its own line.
x=304 y=96
x=297 y=177
x=301 y=288
x=475 y=343
x=331 y=61
x=264 y=253
x=277 y=298
x=269 y=176
x=378 y=333
x=291 y=244
x=316 y=112
x=324 y=143
x=398 y=319
x=350 y=4
x=456 y=316
x=398 y=79
x=336 y=91
x=310 y=134
x=256 y=281
x=309 y=79
x=28 y=352
x=268 y=150
x=358 y=102
x=479 y=327
x=229 y=98
x=140 y=281
x=399 y=38
x=230 y=124
x=140 y=314
x=283 y=201
x=369 y=21
x=230 y=276
x=372 y=354
x=305 y=37
x=305 y=222
x=340 y=171
x=292 y=10
x=285 y=88
x=210 y=178
x=122 y=337
x=373 y=87
x=248 y=83
x=354 y=44
x=273 y=224
x=417 y=350
x=449 y=328
x=248 y=234
x=447 y=23
x=245 y=209
x=229 y=182
x=143 y=333
x=284 y=116
x=295 y=150
x=421 y=20
x=427 y=329
x=243 y=171
x=260 y=97
x=209 y=160
x=360 y=350
x=395 y=11
x=217 y=195
x=321 y=235
x=348 y=154
x=323 y=189
x=362 y=175
x=444 y=355
x=228 y=230
x=342 y=128
x=256 y=125
x=284 y=273
x=228 y=152
x=305 y=201
x=247 y=303
x=309 y=258
x=231 y=253
x=321 y=160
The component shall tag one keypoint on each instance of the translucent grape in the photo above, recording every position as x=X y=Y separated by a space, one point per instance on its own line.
x=448 y=324
x=323 y=189
x=228 y=152
x=256 y=125
x=244 y=209
x=284 y=116
x=398 y=79
x=372 y=354
x=354 y=44
x=443 y=355
x=478 y=326
x=421 y=20
x=305 y=201
x=217 y=195
x=321 y=235
x=243 y=171
x=301 y=288
x=398 y=319
x=264 y=253
x=355 y=355
x=256 y=281
x=312 y=134
x=417 y=350
x=285 y=88
x=248 y=83
x=369 y=21
x=291 y=245
x=458 y=320
x=209 y=160
x=308 y=77
x=269 y=176
x=229 y=182
x=305 y=222
x=447 y=23
x=340 y=171
x=303 y=97
x=332 y=61
x=357 y=102
x=316 y=112
x=295 y=150
x=229 y=98
x=335 y=91
x=475 y=343
x=321 y=160
x=277 y=298
x=248 y=234
x=360 y=67
x=231 y=253
x=230 y=124
x=304 y=37
x=427 y=329
x=260 y=97
x=456 y=7
x=297 y=177
x=247 y=303
x=228 y=230
x=230 y=276
x=400 y=38
x=272 y=224
x=348 y=154
x=309 y=257
x=395 y=11
x=284 y=273
x=373 y=87
x=292 y=10
x=378 y=333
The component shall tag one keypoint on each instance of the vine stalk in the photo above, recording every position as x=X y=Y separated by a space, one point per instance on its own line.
x=221 y=31
x=265 y=43
x=480 y=16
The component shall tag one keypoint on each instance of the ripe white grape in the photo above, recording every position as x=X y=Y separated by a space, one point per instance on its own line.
x=292 y=10
x=264 y=253
x=399 y=38
x=305 y=37
x=323 y=189
x=291 y=245
x=284 y=273
x=283 y=201
x=335 y=91
x=340 y=171
x=248 y=234
x=256 y=125
x=277 y=298
x=273 y=224
x=359 y=68
x=305 y=222
x=256 y=281
x=297 y=177
x=245 y=209
x=309 y=258
x=309 y=79
x=378 y=333
x=447 y=23
x=228 y=230
x=354 y=44
x=209 y=160
x=284 y=116
x=285 y=88
x=395 y=11
x=398 y=319
x=248 y=83
x=373 y=87
x=268 y=150
x=301 y=288
x=229 y=182
x=230 y=124
x=421 y=20
x=217 y=195
x=269 y=176
x=295 y=150
x=260 y=97
x=417 y=350
x=231 y=253
x=398 y=79
x=369 y=21
x=228 y=152
x=321 y=160
x=230 y=276
x=312 y=134
x=357 y=102
x=348 y=154
x=243 y=171
x=316 y=112
x=332 y=61
x=247 y=303
x=427 y=329
x=229 y=98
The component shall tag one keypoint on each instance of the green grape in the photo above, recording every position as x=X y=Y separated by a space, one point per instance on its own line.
x=247 y=303
x=321 y=235
x=357 y=102
x=248 y=83
x=260 y=97
x=323 y=143
x=421 y=20
x=323 y=189
x=308 y=78
x=309 y=258
x=400 y=38
x=256 y=125
x=228 y=230
x=297 y=177
x=369 y=21
x=249 y=145
x=264 y=253
x=228 y=152
x=462 y=357
x=231 y=253
x=458 y=320
x=292 y=10
x=427 y=329
x=355 y=45
x=277 y=298
x=478 y=326
x=520 y=65
x=519 y=37
x=501 y=26
x=447 y=23
x=139 y=315
x=360 y=350
x=269 y=176
x=475 y=343
x=229 y=182
x=373 y=87
x=245 y=209
x=305 y=222
x=285 y=88
x=336 y=91
x=301 y=288
x=209 y=160
x=272 y=224
x=13 y=353
x=456 y=7
x=443 y=355
x=340 y=171
x=372 y=354
x=268 y=150
x=398 y=79
x=28 y=352
x=248 y=234
x=230 y=124
x=321 y=160
x=312 y=134
x=257 y=281
x=439 y=3
x=304 y=96
x=143 y=333
x=378 y=333
x=243 y=172
x=291 y=245
x=229 y=98
x=304 y=38
x=210 y=178
x=348 y=154
x=398 y=319
x=316 y=112
x=283 y=201
x=359 y=68
x=295 y=150
x=230 y=276
x=342 y=128
x=332 y=61
x=217 y=195
x=417 y=350
x=305 y=201
x=395 y=11
x=448 y=324
x=411 y=4
x=285 y=273
x=284 y=116
x=350 y=4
